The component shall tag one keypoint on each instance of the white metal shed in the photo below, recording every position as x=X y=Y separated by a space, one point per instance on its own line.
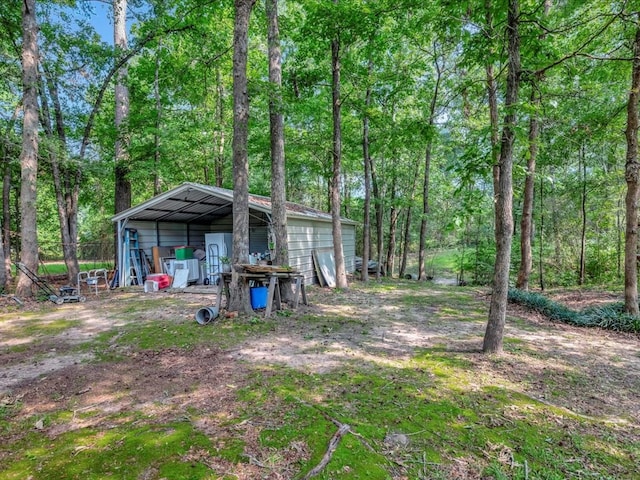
x=183 y=215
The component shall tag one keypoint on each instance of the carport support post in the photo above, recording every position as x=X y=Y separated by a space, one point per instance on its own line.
x=119 y=256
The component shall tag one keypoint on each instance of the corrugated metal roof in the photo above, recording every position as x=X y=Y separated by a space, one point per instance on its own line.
x=203 y=204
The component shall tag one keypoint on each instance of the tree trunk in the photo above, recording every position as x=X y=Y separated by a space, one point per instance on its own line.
x=619 y=229
x=377 y=195
x=541 y=241
x=406 y=242
x=66 y=178
x=526 y=222
x=122 y=165
x=504 y=195
x=278 y=171
x=157 y=189
x=583 y=214
x=218 y=135
x=632 y=174
x=492 y=95
x=422 y=249
x=239 y=289
x=422 y=252
x=29 y=153
x=8 y=153
x=393 y=229
x=366 y=222
x=341 y=274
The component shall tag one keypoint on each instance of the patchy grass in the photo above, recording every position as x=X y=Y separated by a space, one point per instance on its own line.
x=42 y=328
x=251 y=398
x=499 y=432
x=130 y=450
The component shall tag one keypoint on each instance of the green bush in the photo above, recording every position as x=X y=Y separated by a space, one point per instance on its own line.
x=610 y=316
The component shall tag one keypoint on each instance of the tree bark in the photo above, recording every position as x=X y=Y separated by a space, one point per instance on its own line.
x=422 y=252
x=341 y=274
x=583 y=215
x=377 y=195
x=422 y=249
x=492 y=94
x=406 y=243
x=493 y=338
x=278 y=171
x=157 y=156
x=122 y=165
x=541 y=237
x=393 y=229
x=219 y=135
x=526 y=222
x=29 y=153
x=366 y=222
x=239 y=289
x=632 y=174
x=66 y=176
x=6 y=219
x=8 y=152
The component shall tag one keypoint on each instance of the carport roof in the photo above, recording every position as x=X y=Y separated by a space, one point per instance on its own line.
x=202 y=204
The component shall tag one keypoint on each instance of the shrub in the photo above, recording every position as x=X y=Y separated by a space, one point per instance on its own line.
x=610 y=316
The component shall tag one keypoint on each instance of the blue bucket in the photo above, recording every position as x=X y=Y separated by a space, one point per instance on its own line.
x=258 y=297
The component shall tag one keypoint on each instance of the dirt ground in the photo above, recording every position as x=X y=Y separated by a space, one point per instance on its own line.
x=600 y=370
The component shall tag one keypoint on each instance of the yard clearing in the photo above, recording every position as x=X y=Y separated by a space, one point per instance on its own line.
x=128 y=385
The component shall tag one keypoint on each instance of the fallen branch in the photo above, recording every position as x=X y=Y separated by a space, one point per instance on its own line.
x=337 y=423
x=333 y=444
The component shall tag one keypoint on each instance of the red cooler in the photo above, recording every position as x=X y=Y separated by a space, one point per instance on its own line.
x=164 y=280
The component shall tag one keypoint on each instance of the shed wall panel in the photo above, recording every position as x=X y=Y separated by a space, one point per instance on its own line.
x=305 y=236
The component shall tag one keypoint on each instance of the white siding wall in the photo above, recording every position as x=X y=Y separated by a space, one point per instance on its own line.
x=307 y=235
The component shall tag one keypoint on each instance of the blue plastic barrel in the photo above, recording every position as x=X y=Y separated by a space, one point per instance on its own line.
x=258 y=297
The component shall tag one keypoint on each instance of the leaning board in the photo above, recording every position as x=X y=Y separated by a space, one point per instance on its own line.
x=325 y=266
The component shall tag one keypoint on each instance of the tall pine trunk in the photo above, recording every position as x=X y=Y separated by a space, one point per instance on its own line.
x=366 y=223
x=378 y=204
x=393 y=231
x=341 y=273
x=422 y=251
x=526 y=222
x=29 y=153
x=66 y=176
x=583 y=218
x=8 y=153
x=632 y=177
x=122 y=165
x=278 y=171
x=157 y=156
x=239 y=290
x=493 y=338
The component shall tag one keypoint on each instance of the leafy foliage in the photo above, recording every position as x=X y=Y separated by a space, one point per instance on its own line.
x=610 y=316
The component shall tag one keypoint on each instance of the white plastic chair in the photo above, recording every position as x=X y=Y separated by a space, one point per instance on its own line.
x=92 y=279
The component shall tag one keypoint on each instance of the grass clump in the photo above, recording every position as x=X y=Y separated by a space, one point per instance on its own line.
x=610 y=316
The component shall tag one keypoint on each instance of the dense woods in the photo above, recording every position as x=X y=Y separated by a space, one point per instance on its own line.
x=414 y=118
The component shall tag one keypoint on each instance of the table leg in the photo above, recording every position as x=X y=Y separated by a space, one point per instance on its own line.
x=219 y=294
x=296 y=294
x=273 y=282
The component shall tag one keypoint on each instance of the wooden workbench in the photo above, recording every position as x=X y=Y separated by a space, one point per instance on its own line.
x=269 y=276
